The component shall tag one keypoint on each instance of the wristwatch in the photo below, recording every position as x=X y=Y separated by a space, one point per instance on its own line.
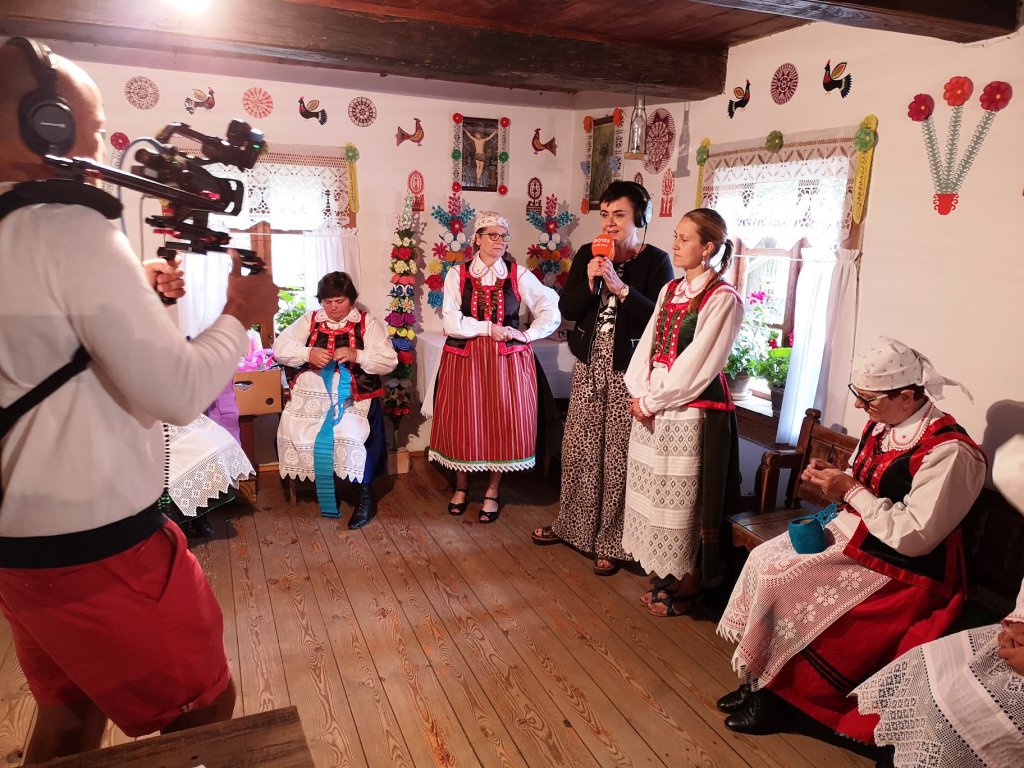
x=623 y=293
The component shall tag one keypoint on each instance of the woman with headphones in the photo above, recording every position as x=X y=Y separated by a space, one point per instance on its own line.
x=683 y=465
x=611 y=299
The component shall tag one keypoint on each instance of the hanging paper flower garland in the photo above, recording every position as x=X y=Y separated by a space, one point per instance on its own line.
x=703 y=152
x=455 y=245
x=401 y=317
x=949 y=176
x=550 y=257
x=864 y=141
x=351 y=156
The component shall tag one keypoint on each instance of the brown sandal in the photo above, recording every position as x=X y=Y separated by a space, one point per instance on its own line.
x=545 y=535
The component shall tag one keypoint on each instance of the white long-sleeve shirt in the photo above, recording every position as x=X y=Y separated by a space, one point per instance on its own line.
x=92 y=453
x=942 y=492
x=378 y=355
x=659 y=387
x=541 y=301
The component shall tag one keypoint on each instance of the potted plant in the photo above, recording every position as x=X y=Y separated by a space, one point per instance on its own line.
x=750 y=346
x=774 y=369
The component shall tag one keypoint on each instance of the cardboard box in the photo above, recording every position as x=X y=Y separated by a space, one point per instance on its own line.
x=258 y=392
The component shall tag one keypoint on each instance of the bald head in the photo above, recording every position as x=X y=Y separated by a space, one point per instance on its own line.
x=17 y=161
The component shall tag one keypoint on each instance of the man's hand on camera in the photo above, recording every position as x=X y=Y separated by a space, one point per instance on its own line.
x=168 y=279
x=251 y=299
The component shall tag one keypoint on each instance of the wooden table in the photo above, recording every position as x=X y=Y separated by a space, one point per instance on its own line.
x=268 y=739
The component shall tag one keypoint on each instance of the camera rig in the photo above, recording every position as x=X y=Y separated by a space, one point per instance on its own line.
x=190 y=193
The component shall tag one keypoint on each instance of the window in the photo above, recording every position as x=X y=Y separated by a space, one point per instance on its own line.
x=790 y=213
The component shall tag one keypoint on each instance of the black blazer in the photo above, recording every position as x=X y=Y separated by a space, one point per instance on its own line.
x=645 y=275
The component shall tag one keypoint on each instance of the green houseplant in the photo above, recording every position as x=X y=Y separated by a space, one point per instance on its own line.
x=292 y=307
x=750 y=346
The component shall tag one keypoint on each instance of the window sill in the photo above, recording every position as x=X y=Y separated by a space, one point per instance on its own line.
x=757 y=423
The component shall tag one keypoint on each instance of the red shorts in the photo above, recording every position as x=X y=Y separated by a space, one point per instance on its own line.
x=140 y=633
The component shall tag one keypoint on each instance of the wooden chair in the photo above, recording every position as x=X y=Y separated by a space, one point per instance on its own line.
x=816 y=442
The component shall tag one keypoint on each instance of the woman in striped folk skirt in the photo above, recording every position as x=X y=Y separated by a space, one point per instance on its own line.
x=485 y=403
x=683 y=441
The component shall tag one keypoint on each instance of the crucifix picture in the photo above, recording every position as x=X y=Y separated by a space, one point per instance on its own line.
x=480 y=154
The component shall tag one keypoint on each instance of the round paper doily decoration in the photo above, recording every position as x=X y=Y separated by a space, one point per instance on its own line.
x=141 y=92
x=784 y=83
x=661 y=139
x=361 y=111
x=257 y=103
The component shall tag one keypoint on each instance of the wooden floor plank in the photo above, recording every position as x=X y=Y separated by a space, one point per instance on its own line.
x=261 y=681
x=378 y=728
x=524 y=699
x=491 y=741
x=311 y=671
x=431 y=729
x=17 y=707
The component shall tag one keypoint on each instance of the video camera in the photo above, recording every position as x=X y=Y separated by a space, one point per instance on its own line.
x=189 y=191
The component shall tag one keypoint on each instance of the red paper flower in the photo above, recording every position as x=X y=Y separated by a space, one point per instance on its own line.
x=440 y=249
x=995 y=96
x=119 y=141
x=958 y=90
x=535 y=251
x=456 y=226
x=457 y=118
x=505 y=122
x=921 y=108
x=405 y=253
x=502 y=189
x=551 y=226
x=588 y=124
x=434 y=282
x=405 y=357
x=456 y=187
x=617 y=116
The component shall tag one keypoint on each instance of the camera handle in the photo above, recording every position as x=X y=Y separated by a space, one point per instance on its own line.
x=252 y=263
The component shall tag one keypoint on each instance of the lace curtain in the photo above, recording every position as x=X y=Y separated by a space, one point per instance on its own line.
x=292 y=188
x=803 y=192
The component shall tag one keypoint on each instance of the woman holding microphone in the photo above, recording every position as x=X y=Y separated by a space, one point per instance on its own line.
x=610 y=294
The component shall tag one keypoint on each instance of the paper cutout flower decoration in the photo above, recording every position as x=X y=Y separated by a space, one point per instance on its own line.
x=774 y=142
x=454 y=246
x=864 y=139
x=948 y=174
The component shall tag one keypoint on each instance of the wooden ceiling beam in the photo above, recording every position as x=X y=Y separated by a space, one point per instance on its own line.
x=280 y=31
x=959 y=21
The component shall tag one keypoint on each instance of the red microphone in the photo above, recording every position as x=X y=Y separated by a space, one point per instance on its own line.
x=603 y=247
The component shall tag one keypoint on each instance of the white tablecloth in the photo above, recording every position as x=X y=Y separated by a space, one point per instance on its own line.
x=554 y=356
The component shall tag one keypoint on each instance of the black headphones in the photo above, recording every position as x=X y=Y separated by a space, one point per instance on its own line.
x=642 y=213
x=44 y=117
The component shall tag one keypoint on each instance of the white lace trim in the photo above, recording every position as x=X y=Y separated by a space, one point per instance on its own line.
x=486 y=466
x=784 y=600
x=951 y=703
x=205 y=461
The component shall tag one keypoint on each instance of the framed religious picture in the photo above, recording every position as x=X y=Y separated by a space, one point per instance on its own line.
x=605 y=162
x=480 y=154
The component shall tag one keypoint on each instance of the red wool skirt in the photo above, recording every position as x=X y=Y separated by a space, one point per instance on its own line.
x=485 y=408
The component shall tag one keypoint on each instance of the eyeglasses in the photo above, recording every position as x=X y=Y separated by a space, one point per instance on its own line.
x=496 y=236
x=867 y=402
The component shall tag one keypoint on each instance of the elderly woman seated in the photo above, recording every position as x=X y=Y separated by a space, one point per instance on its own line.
x=811 y=627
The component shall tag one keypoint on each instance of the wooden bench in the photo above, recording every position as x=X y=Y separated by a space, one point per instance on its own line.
x=765 y=521
x=993 y=530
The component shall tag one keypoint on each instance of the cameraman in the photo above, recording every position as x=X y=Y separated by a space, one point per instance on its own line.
x=111 y=614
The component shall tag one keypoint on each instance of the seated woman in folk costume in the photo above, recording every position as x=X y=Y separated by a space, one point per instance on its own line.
x=811 y=627
x=485 y=407
x=334 y=422
x=958 y=702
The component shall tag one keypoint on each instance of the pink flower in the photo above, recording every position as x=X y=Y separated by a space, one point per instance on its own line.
x=921 y=108
x=995 y=96
x=958 y=90
x=757 y=297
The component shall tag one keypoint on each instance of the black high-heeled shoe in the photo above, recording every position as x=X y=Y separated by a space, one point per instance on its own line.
x=490 y=517
x=459 y=509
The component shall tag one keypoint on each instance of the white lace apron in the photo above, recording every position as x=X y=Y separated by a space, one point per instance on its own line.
x=205 y=461
x=784 y=600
